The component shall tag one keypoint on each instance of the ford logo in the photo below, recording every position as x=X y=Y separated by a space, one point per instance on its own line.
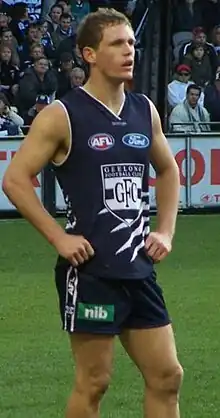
x=136 y=140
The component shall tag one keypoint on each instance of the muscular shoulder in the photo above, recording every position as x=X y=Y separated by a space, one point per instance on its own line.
x=52 y=120
x=49 y=131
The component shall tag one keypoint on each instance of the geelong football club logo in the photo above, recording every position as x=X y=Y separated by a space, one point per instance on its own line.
x=101 y=142
x=122 y=190
x=136 y=140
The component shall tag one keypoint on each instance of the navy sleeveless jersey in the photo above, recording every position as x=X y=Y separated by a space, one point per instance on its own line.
x=104 y=180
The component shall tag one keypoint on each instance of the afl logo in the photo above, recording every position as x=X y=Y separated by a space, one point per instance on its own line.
x=101 y=142
x=136 y=140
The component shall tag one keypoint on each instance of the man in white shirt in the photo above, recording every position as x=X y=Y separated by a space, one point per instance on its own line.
x=177 y=88
x=190 y=116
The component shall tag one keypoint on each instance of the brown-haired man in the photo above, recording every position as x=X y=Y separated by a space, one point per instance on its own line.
x=101 y=141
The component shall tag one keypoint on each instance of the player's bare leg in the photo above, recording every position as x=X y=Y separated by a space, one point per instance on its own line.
x=93 y=356
x=154 y=353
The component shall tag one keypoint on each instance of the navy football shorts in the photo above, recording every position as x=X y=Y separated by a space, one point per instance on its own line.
x=102 y=306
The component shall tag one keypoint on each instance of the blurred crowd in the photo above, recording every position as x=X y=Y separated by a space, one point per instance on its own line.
x=39 y=59
x=194 y=88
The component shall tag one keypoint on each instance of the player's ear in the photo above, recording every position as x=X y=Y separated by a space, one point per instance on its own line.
x=89 y=55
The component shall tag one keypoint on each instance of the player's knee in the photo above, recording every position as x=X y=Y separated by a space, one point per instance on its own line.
x=94 y=386
x=98 y=386
x=168 y=383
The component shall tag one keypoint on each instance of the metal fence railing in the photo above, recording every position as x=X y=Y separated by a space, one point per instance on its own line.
x=197 y=156
x=194 y=127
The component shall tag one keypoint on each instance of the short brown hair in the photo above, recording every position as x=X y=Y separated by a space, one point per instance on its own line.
x=36 y=45
x=90 y=30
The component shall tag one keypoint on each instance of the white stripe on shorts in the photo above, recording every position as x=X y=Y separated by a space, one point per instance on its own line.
x=71 y=298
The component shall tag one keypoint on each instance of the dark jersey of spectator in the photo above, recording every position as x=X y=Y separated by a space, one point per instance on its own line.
x=64 y=83
x=210 y=14
x=31 y=85
x=186 y=17
x=20 y=21
x=9 y=74
x=67 y=45
x=19 y=28
x=199 y=37
x=199 y=62
x=79 y=9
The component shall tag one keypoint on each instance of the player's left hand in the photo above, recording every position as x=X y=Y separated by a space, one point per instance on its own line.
x=158 y=246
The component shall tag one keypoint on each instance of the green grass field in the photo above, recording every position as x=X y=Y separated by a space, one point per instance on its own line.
x=36 y=369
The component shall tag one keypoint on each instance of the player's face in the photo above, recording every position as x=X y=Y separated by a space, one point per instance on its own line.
x=115 y=54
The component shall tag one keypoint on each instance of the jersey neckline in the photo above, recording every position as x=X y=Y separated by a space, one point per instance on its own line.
x=118 y=115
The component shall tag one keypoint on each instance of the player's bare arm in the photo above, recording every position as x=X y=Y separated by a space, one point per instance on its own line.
x=47 y=140
x=158 y=244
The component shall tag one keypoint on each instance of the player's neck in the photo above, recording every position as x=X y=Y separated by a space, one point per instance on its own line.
x=111 y=95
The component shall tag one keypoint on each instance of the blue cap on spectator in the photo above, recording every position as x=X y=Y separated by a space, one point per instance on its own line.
x=43 y=99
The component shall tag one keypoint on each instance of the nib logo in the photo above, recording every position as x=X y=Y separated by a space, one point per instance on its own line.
x=95 y=312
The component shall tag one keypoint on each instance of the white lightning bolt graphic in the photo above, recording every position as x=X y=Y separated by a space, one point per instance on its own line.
x=141 y=245
x=141 y=230
x=134 y=234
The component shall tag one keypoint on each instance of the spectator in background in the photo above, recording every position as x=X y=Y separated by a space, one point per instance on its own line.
x=63 y=74
x=41 y=102
x=20 y=22
x=46 y=39
x=67 y=45
x=79 y=61
x=36 y=51
x=187 y=14
x=36 y=80
x=63 y=31
x=210 y=13
x=199 y=62
x=4 y=20
x=33 y=36
x=200 y=38
x=77 y=77
x=178 y=87
x=65 y=5
x=10 y=121
x=190 y=113
x=9 y=73
x=216 y=41
x=5 y=8
x=7 y=39
x=212 y=100
x=53 y=17
x=79 y=9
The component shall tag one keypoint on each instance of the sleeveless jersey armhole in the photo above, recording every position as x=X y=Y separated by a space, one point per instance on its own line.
x=150 y=110
x=70 y=135
x=148 y=102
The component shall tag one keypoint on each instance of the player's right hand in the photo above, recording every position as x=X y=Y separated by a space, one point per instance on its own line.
x=74 y=248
